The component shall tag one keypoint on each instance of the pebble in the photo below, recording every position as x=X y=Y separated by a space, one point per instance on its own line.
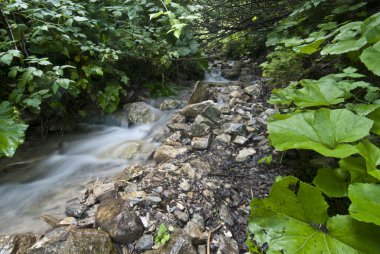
x=181 y=216
x=146 y=242
x=185 y=186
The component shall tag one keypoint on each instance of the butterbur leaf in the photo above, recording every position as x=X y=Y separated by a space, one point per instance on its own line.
x=332 y=182
x=365 y=202
x=293 y=219
x=357 y=168
x=323 y=92
x=11 y=130
x=371 y=58
x=324 y=131
x=371 y=154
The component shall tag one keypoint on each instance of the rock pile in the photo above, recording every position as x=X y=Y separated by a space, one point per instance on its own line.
x=199 y=185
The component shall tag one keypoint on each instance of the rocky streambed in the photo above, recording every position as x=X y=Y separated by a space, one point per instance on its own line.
x=198 y=183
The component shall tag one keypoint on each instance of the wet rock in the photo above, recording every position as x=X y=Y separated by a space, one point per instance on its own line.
x=199 y=93
x=84 y=241
x=185 y=186
x=52 y=221
x=164 y=153
x=212 y=112
x=227 y=245
x=244 y=154
x=199 y=129
x=140 y=112
x=170 y=104
x=201 y=143
x=235 y=94
x=52 y=242
x=181 y=216
x=177 y=118
x=195 y=232
x=16 y=244
x=225 y=215
x=233 y=128
x=179 y=127
x=253 y=90
x=75 y=210
x=198 y=219
x=240 y=140
x=204 y=120
x=180 y=243
x=191 y=111
x=68 y=221
x=223 y=138
x=122 y=225
x=83 y=195
x=231 y=74
x=145 y=243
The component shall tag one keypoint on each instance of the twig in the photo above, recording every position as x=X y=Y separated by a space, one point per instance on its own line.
x=209 y=237
x=9 y=29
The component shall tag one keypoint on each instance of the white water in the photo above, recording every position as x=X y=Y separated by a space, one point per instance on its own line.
x=99 y=151
x=215 y=73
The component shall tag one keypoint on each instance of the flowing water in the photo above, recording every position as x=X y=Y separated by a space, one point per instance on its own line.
x=36 y=184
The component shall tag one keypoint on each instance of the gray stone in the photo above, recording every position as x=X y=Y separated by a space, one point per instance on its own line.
x=164 y=153
x=225 y=215
x=122 y=225
x=197 y=218
x=180 y=243
x=212 y=112
x=84 y=241
x=227 y=245
x=199 y=93
x=233 y=128
x=244 y=154
x=202 y=249
x=201 y=143
x=185 y=186
x=179 y=127
x=199 y=129
x=82 y=195
x=53 y=242
x=240 y=140
x=75 y=210
x=188 y=170
x=16 y=243
x=204 y=120
x=195 y=232
x=170 y=104
x=181 y=216
x=140 y=112
x=68 y=221
x=253 y=90
x=145 y=243
x=191 y=111
x=223 y=138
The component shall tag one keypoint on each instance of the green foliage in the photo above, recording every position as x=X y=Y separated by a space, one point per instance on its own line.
x=325 y=131
x=267 y=160
x=282 y=67
x=57 y=57
x=294 y=219
x=11 y=129
x=163 y=235
x=335 y=115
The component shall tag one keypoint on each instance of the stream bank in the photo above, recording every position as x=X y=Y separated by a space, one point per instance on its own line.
x=200 y=180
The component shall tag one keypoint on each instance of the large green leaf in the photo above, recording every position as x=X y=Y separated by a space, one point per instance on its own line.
x=323 y=92
x=293 y=219
x=324 y=131
x=332 y=182
x=371 y=154
x=365 y=204
x=371 y=58
x=357 y=168
x=371 y=28
x=11 y=131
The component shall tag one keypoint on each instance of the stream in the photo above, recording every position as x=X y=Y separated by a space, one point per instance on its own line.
x=40 y=179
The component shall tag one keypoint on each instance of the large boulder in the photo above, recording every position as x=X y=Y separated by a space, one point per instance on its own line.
x=122 y=225
x=52 y=242
x=140 y=112
x=84 y=241
x=164 y=153
x=16 y=244
x=170 y=104
x=191 y=111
